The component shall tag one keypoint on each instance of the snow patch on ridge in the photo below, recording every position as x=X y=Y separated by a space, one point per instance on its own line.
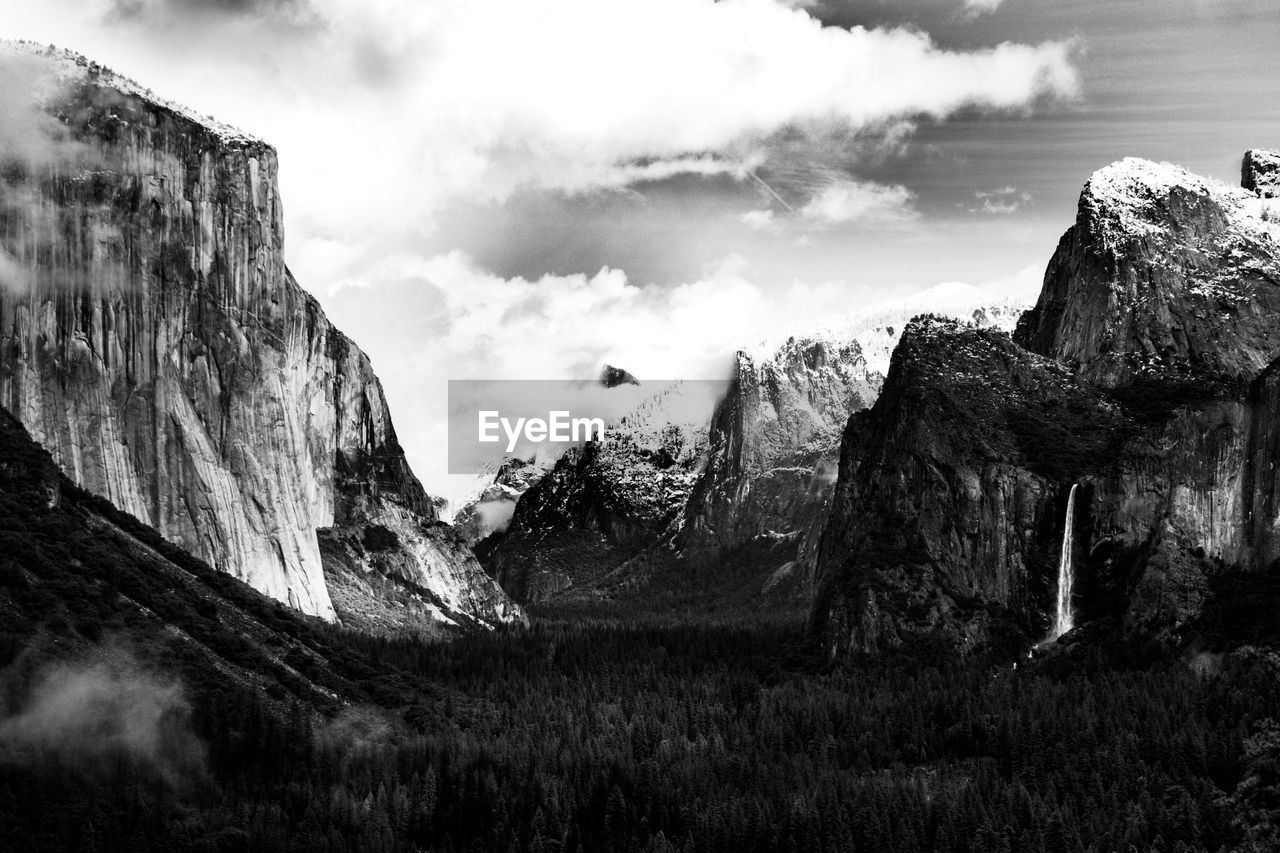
x=1130 y=198
x=877 y=327
x=69 y=67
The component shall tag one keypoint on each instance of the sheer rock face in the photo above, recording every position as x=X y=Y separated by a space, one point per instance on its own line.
x=773 y=448
x=945 y=512
x=1163 y=271
x=1149 y=377
x=152 y=339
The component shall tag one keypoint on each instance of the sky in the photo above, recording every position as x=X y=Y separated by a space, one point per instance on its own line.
x=500 y=189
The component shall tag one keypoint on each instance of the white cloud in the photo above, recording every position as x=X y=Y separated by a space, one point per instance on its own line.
x=1001 y=202
x=759 y=220
x=384 y=111
x=849 y=201
x=566 y=326
x=980 y=6
x=558 y=327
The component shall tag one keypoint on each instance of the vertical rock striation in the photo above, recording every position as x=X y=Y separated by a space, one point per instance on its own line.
x=153 y=340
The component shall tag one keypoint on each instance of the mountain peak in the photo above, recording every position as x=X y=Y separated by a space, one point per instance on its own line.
x=1140 y=199
x=1157 y=258
x=54 y=68
x=612 y=377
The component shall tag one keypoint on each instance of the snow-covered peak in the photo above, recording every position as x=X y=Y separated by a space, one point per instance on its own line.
x=1133 y=197
x=675 y=417
x=1135 y=183
x=65 y=67
x=875 y=329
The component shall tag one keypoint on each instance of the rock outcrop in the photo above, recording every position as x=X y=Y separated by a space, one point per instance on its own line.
x=1260 y=172
x=1163 y=272
x=602 y=504
x=948 y=503
x=612 y=377
x=772 y=452
x=1146 y=373
x=153 y=340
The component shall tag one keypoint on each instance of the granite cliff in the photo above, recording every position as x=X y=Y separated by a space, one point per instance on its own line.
x=1145 y=373
x=154 y=341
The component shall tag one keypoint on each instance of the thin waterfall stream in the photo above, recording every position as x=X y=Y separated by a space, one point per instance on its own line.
x=1064 y=619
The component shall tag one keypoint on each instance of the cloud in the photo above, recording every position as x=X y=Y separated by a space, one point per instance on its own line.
x=29 y=136
x=14 y=278
x=171 y=10
x=759 y=220
x=978 y=7
x=849 y=201
x=387 y=113
x=566 y=326
x=92 y=711
x=1001 y=202
x=433 y=101
x=841 y=201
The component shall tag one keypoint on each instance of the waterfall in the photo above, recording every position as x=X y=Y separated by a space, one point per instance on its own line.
x=1063 y=619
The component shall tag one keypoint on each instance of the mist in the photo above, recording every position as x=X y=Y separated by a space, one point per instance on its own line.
x=30 y=138
x=92 y=712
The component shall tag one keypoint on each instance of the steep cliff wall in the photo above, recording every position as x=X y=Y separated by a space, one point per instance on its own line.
x=1165 y=272
x=772 y=451
x=949 y=493
x=152 y=339
x=1145 y=380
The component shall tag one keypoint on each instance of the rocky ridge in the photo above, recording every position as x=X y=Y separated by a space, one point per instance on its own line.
x=602 y=504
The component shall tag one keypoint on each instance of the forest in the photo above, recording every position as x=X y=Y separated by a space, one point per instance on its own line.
x=151 y=703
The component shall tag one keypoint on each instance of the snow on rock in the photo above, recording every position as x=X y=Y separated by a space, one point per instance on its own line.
x=57 y=67
x=1158 y=258
x=1260 y=172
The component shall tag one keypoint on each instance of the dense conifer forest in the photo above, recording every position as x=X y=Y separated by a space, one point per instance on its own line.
x=151 y=703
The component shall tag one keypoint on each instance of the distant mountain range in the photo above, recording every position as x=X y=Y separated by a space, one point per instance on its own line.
x=735 y=495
